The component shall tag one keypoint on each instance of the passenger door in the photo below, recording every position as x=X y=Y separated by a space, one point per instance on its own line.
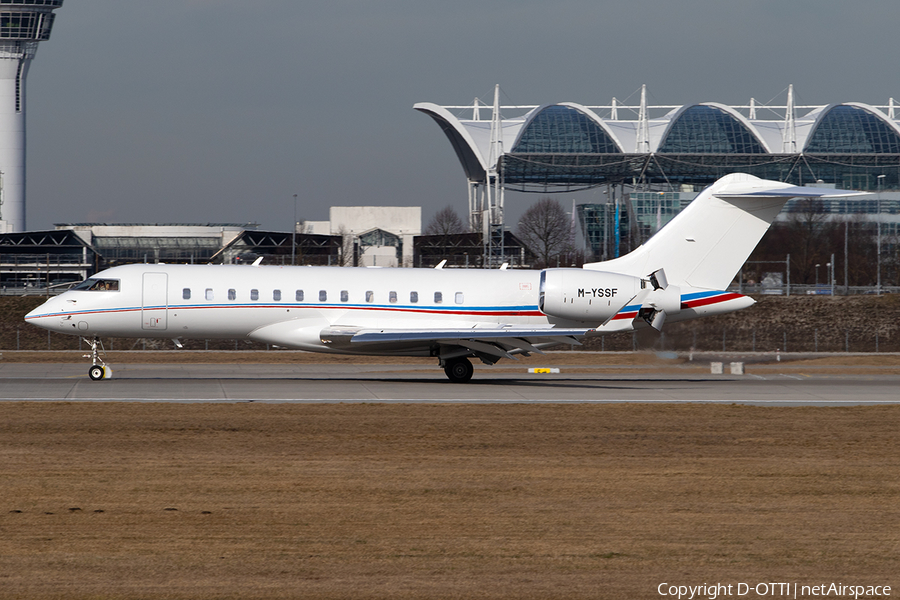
x=154 y=305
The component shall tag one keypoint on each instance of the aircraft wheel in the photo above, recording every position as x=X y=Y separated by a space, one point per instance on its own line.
x=96 y=373
x=459 y=370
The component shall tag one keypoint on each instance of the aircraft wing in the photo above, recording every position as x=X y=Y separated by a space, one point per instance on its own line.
x=488 y=343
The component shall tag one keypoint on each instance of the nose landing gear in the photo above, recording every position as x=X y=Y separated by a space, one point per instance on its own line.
x=99 y=370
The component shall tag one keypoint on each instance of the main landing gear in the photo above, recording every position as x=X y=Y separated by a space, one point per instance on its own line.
x=98 y=369
x=459 y=370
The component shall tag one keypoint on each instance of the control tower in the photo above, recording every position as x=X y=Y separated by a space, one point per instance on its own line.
x=23 y=23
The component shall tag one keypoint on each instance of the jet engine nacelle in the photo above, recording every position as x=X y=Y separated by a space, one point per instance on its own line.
x=584 y=295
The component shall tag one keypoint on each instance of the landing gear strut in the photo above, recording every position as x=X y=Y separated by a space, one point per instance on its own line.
x=459 y=370
x=98 y=369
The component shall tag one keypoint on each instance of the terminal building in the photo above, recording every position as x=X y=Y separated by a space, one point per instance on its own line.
x=641 y=214
x=354 y=236
x=371 y=236
x=675 y=149
x=72 y=252
x=569 y=146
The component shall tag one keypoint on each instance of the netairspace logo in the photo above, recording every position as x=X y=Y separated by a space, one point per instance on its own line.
x=772 y=590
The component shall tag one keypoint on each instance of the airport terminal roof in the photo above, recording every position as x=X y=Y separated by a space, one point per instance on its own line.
x=575 y=145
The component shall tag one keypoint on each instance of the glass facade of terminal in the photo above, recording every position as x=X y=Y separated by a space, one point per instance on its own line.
x=562 y=129
x=853 y=130
x=709 y=130
x=564 y=149
x=653 y=210
x=642 y=214
x=598 y=227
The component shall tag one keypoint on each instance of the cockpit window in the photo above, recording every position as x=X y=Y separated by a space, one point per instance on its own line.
x=98 y=285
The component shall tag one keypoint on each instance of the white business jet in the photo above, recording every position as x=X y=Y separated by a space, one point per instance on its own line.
x=681 y=273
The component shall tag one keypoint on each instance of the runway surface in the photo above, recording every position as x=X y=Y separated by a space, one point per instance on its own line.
x=401 y=383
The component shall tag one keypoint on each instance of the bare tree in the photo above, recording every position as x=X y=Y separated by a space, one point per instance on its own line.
x=546 y=230
x=810 y=230
x=445 y=222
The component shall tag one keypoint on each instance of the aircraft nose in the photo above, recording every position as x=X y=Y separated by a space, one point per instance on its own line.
x=36 y=316
x=41 y=316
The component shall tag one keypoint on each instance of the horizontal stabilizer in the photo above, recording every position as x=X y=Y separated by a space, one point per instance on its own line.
x=791 y=191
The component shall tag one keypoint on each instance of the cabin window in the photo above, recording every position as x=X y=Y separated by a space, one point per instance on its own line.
x=232 y=295
x=458 y=298
x=98 y=285
x=438 y=297
x=186 y=293
x=276 y=295
x=323 y=295
x=414 y=297
x=254 y=294
x=370 y=296
x=209 y=294
x=298 y=296
x=344 y=296
x=392 y=297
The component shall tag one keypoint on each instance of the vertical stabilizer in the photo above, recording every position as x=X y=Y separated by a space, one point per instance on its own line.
x=705 y=245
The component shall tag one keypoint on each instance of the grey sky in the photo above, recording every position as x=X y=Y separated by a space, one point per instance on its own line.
x=221 y=110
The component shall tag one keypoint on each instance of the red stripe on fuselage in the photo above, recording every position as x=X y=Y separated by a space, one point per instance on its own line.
x=685 y=305
x=485 y=313
x=628 y=315
x=710 y=300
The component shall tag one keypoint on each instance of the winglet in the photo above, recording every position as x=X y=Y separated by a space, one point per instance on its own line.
x=257 y=261
x=441 y=264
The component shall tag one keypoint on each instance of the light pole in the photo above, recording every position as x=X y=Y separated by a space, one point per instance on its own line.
x=878 y=235
x=817 y=277
x=846 y=258
x=294 y=233
x=832 y=273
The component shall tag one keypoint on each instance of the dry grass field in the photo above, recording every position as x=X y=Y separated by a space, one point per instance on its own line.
x=102 y=501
